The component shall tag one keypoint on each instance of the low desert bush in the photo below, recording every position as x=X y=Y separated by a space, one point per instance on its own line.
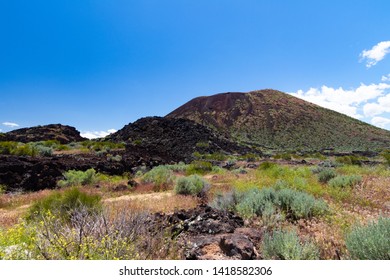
x=266 y=165
x=370 y=242
x=77 y=178
x=386 y=156
x=349 y=160
x=326 y=174
x=292 y=203
x=161 y=177
x=199 y=167
x=345 y=181
x=191 y=185
x=286 y=245
x=64 y=204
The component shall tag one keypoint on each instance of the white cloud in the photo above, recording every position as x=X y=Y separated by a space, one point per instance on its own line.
x=10 y=124
x=97 y=134
x=381 y=106
x=1 y=130
x=380 y=122
x=386 y=78
x=341 y=100
x=376 y=54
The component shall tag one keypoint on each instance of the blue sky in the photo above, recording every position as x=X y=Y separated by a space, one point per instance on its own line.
x=99 y=64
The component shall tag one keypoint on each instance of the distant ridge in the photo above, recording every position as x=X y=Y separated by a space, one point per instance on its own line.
x=275 y=120
x=63 y=133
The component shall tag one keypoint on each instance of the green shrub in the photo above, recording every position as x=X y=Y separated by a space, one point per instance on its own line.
x=226 y=201
x=191 y=185
x=350 y=160
x=284 y=156
x=286 y=245
x=386 y=156
x=64 y=204
x=25 y=150
x=326 y=174
x=266 y=165
x=254 y=201
x=179 y=167
x=371 y=242
x=77 y=178
x=199 y=167
x=3 y=188
x=202 y=144
x=345 y=181
x=8 y=147
x=161 y=177
x=294 y=204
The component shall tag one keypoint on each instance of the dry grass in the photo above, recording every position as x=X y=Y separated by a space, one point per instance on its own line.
x=165 y=202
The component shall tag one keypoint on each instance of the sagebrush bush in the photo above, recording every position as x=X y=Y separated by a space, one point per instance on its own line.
x=179 y=167
x=64 y=204
x=161 y=177
x=77 y=178
x=294 y=204
x=326 y=174
x=226 y=201
x=370 y=242
x=345 y=181
x=191 y=185
x=254 y=201
x=286 y=245
x=199 y=167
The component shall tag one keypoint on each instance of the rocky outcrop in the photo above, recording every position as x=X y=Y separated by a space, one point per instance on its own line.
x=63 y=133
x=32 y=174
x=208 y=233
x=172 y=140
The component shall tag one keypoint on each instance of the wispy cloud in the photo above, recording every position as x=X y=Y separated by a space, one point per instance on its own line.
x=341 y=100
x=380 y=122
x=97 y=134
x=382 y=105
x=10 y=124
x=386 y=78
x=376 y=54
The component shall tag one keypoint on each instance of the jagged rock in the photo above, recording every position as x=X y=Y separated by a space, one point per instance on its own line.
x=166 y=140
x=208 y=233
x=240 y=245
x=37 y=173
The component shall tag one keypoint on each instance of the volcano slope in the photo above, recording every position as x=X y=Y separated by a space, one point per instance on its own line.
x=274 y=120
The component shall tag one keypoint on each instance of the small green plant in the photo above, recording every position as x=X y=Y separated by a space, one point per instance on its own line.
x=371 y=242
x=286 y=245
x=386 y=156
x=266 y=165
x=3 y=188
x=349 y=160
x=199 y=167
x=326 y=174
x=161 y=177
x=76 y=178
x=202 y=145
x=345 y=181
x=191 y=185
x=179 y=167
x=64 y=204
